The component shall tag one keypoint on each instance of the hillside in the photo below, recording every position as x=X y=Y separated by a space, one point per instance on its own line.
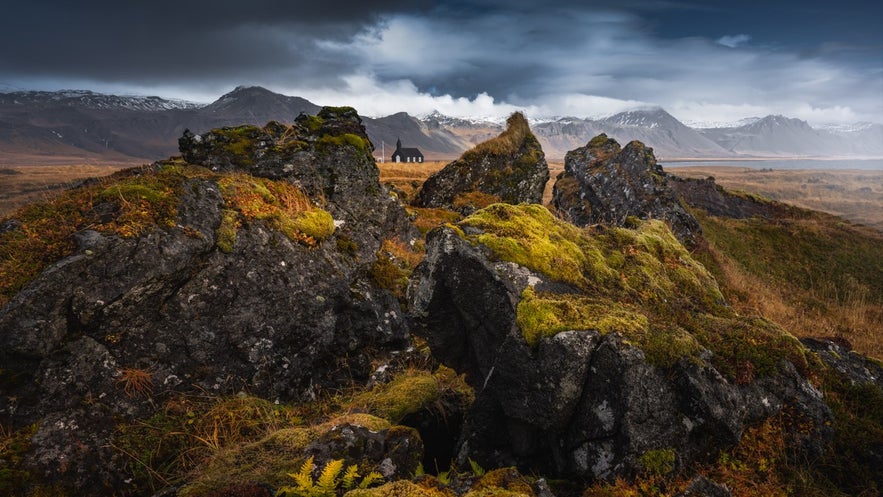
x=262 y=316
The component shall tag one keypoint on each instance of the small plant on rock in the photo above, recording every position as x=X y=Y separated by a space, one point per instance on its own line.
x=330 y=480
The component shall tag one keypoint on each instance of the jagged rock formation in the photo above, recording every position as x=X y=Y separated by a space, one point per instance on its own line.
x=598 y=354
x=603 y=183
x=176 y=278
x=510 y=168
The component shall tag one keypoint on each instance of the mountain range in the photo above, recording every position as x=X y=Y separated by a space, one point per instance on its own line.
x=40 y=126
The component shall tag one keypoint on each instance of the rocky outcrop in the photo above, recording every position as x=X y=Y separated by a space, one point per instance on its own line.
x=250 y=275
x=510 y=168
x=579 y=369
x=707 y=195
x=603 y=183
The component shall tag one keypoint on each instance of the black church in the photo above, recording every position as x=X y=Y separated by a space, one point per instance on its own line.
x=406 y=154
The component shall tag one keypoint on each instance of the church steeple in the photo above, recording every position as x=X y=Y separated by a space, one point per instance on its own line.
x=399 y=144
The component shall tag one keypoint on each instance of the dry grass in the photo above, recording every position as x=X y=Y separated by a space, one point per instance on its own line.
x=856 y=195
x=508 y=142
x=815 y=277
x=407 y=177
x=20 y=185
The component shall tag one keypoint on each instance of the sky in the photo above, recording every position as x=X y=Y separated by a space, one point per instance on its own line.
x=703 y=61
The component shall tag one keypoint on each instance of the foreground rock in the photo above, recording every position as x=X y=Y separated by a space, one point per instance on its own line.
x=510 y=168
x=175 y=278
x=603 y=183
x=600 y=355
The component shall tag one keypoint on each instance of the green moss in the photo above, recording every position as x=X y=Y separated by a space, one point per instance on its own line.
x=598 y=141
x=401 y=488
x=280 y=204
x=327 y=142
x=509 y=142
x=239 y=142
x=312 y=123
x=315 y=223
x=547 y=314
x=641 y=283
x=530 y=236
x=658 y=461
x=227 y=230
x=406 y=394
x=749 y=347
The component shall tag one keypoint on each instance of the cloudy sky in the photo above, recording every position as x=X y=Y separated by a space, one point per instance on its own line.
x=703 y=61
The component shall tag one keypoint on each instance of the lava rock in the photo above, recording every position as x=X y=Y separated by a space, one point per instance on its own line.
x=603 y=183
x=510 y=168
x=578 y=402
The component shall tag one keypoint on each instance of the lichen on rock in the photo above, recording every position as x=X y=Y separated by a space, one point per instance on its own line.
x=603 y=183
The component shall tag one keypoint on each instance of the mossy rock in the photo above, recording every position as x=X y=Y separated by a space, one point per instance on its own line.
x=641 y=283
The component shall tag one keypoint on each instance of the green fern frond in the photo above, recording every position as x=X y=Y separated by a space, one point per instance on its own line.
x=349 y=477
x=372 y=478
x=328 y=479
x=444 y=477
x=477 y=470
x=304 y=477
x=420 y=471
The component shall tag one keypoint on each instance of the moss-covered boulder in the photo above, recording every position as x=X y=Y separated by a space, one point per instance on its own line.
x=596 y=352
x=244 y=266
x=603 y=183
x=510 y=168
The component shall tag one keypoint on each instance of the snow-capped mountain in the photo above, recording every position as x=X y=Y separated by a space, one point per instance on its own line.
x=91 y=100
x=90 y=125
x=778 y=135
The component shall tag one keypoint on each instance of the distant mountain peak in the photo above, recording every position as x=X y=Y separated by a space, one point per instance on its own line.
x=87 y=99
x=649 y=117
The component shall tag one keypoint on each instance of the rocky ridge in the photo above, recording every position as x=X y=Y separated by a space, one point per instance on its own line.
x=510 y=168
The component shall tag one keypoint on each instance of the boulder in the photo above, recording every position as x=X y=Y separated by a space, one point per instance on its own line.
x=603 y=183
x=591 y=363
x=510 y=168
x=250 y=273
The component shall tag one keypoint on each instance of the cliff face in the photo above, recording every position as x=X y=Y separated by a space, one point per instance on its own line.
x=510 y=168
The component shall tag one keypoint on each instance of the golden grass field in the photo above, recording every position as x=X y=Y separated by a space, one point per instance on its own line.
x=20 y=185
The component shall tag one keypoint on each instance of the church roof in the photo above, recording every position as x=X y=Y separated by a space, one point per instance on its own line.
x=410 y=152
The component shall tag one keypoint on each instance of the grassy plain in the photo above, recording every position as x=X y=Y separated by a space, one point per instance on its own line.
x=20 y=185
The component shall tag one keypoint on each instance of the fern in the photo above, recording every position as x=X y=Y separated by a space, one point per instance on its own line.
x=349 y=477
x=328 y=479
x=372 y=478
x=444 y=477
x=477 y=470
x=304 y=477
x=420 y=471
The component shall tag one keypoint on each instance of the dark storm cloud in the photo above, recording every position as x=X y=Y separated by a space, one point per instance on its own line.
x=701 y=58
x=118 y=40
